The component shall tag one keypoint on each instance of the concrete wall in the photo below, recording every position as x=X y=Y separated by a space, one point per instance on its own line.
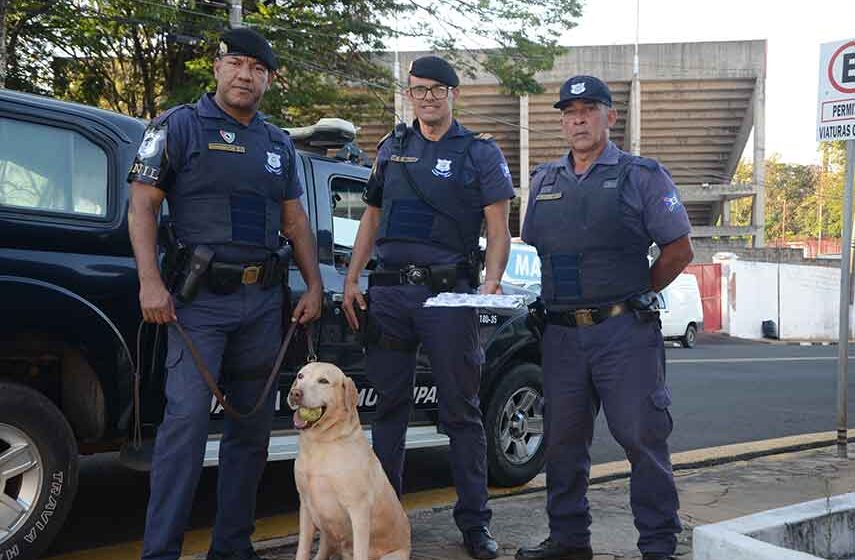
x=802 y=300
x=707 y=249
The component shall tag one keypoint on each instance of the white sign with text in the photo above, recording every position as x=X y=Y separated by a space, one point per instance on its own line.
x=835 y=117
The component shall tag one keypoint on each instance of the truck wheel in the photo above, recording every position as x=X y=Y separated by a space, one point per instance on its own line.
x=688 y=339
x=514 y=426
x=38 y=471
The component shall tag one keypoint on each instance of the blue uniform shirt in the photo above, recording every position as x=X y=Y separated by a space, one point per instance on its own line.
x=183 y=141
x=650 y=202
x=484 y=162
x=204 y=144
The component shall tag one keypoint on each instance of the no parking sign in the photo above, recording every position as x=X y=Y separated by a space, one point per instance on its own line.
x=836 y=110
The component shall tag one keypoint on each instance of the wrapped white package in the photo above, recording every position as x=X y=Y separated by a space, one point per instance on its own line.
x=492 y=301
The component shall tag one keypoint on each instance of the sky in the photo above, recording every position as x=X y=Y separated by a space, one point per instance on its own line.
x=793 y=31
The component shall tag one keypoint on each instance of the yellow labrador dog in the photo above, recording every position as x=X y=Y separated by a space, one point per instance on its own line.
x=344 y=492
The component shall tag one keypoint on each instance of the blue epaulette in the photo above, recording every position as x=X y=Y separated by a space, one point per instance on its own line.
x=647 y=163
x=386 y=137
x=540 y=167
x=276 y=133
x=164 y=116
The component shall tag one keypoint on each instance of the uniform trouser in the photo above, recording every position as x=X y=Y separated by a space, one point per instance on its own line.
x=240 y=332
x=619 y=364
x=449 y=336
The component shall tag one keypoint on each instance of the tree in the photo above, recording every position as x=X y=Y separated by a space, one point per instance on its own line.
x=139 y=56
x=794 y=193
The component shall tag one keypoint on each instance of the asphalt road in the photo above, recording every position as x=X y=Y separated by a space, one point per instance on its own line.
x=724 y=392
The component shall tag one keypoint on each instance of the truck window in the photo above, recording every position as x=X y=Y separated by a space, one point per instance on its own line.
x=51 y=169
x=349 y=203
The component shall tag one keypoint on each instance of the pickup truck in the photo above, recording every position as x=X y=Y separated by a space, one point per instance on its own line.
x=72 y=346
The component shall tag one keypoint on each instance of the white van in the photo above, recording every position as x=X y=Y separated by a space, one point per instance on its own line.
x=681 y=313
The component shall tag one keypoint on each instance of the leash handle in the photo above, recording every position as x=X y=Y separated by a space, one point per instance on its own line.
x=212 y=384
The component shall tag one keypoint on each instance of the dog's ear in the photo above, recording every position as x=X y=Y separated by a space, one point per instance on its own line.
x=351 y=396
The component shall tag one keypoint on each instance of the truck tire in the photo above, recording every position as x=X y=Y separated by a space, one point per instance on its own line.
x=514 y=425
x=38 y=471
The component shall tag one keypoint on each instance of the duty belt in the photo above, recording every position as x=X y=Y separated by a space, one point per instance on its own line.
x=585 y=317
x=439 y=277
x=409 y=274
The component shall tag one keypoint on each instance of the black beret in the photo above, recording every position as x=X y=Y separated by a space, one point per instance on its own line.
x=434 y=68
x=584 y=87
x=243 y=41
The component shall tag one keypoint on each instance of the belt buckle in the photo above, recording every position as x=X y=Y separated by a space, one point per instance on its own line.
x=583 y=317
x=250 y=274
x=415 y=275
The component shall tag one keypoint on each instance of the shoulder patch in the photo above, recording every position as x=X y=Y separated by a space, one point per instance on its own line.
x=483 y=136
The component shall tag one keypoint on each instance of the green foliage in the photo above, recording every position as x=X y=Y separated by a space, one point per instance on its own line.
x=795 y=194
x=140 y=56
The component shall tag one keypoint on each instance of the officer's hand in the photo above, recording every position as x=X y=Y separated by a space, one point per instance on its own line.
x=156 y=303
x=490 y=287
x=352 y=294
x=308 y=309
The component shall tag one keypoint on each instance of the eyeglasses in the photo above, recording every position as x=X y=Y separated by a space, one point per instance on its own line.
x=437 y=91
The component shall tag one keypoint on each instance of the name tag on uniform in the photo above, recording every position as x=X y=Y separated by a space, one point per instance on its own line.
x=549 y=196
x=610 y=184
x=227 y=148
x=404 y=159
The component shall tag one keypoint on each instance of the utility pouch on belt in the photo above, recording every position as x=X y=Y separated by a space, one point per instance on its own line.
x=645 y=306
x=199 y=262
x=443 y=277
x=276 y=268
x=225 y=278
x=536 y=319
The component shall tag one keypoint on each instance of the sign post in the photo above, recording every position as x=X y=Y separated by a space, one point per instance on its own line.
x=835 y=120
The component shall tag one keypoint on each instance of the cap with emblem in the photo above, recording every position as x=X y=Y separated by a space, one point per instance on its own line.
x=434 y=68
x=243 y=41
x=584 y=87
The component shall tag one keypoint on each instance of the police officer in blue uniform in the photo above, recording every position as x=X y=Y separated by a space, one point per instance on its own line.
x=592 y=216
x=231 y=182
x=432 y=187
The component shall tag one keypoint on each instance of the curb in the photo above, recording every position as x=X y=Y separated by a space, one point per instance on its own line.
x=689 y=460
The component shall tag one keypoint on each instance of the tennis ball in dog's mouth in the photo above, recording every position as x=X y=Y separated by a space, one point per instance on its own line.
x=310 y=414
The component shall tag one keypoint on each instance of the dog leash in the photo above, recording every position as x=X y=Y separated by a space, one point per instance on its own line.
x=274 y=373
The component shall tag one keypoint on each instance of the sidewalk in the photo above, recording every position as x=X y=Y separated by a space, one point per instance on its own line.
x=708 y=494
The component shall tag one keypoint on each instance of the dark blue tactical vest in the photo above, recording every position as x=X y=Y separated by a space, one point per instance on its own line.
x=588 y=256
x=231 y=188
x=450 y=214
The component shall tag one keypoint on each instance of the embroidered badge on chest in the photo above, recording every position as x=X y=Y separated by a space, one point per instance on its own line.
x=442 y=168
x=229 y=137
x=274 y=163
